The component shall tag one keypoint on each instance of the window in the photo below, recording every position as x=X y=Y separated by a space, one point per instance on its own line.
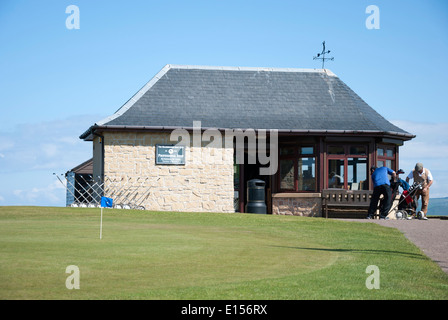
x=306 y=174
x=307 y=150
x=297 y=168
x=358 y=150
x=287 y=151
x=347 y=167
x=336 y=173
x=357 y=173
x=336 y=150
x=385 y=156
x=287 y=174
x=236 y=176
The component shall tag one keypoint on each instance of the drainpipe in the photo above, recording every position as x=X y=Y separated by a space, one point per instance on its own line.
x=102 y=153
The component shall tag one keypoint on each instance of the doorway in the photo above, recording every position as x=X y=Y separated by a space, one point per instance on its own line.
x=252 y=171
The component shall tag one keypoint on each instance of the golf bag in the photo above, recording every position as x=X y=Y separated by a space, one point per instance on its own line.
x=407 y=204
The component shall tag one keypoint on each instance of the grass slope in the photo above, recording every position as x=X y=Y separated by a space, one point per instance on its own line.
x=167 y=255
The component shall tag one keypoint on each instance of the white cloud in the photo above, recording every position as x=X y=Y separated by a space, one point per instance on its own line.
x=31 y=153
x=52 y=193
x=6 y=143
x=50 y=149
x=52 y=145
x=430 y=147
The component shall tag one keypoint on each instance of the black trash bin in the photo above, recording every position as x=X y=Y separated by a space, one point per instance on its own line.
x=255 y=197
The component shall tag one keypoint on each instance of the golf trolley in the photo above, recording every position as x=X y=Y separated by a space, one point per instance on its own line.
x=407 y=203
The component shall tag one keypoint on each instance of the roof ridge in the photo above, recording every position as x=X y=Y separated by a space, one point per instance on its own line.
x=266 y=69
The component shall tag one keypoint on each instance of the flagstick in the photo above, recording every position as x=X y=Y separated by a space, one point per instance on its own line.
x=101 y=224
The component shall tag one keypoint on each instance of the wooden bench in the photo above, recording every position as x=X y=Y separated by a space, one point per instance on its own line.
x=341 y=203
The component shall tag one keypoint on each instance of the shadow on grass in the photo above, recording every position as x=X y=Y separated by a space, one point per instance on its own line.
x=369 y=251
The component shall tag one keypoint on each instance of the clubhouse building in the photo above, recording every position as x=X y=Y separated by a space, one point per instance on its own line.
x=186 y=139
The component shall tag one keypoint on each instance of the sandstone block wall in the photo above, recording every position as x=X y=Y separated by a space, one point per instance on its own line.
x=308 y=205
x=204 y=183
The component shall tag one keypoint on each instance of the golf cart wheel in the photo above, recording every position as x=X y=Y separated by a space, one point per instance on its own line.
x=420 y=215
x=401 y=214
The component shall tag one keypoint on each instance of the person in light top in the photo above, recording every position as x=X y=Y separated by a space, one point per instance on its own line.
x=422 y=175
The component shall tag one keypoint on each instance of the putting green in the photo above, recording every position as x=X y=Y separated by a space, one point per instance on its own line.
x=186 y=256
x=170 y=255
x=141 y=252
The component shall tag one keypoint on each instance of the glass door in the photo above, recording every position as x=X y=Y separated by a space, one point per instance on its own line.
x=336 y=175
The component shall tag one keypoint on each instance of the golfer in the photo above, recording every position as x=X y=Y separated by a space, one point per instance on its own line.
x=381 y=186
x=423 y=176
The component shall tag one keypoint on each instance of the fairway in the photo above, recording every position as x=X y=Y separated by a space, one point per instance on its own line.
x=170 y=255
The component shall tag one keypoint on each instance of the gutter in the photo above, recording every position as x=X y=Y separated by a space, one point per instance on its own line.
x=87 y=136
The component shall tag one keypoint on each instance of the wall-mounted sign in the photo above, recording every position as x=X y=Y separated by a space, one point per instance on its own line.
x=170 y=154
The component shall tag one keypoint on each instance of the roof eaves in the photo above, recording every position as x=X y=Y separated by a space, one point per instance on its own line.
x=86 y=135
x=82 y=166
x=403 y=135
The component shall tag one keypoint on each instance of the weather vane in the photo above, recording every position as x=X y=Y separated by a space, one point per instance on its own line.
x=321 y=56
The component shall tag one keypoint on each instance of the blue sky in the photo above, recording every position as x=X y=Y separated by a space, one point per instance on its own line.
x=56 y=82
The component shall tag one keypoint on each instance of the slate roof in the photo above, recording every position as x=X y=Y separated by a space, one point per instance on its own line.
x=84 y=168
x=289 y=100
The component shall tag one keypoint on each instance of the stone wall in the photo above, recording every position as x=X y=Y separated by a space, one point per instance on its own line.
x=204 y=183
x=297 y=204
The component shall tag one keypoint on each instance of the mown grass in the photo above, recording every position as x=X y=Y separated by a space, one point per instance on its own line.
x=207 y=256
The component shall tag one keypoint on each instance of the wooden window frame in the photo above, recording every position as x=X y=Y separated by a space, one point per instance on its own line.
x=295 y=156
x=384 y=157
x=346 y=147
